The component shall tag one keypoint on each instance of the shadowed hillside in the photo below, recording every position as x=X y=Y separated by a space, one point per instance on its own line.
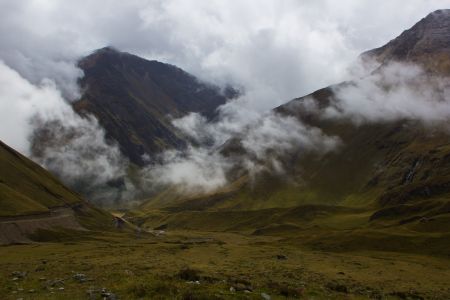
x=134 y=100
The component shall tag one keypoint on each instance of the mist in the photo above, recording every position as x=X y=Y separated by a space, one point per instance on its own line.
x=378 y=94
x=271 y=51
x=394 y=92
x=72 y=147
x=258 y=147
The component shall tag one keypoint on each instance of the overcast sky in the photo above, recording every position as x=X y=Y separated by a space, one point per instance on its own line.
x=287 y=47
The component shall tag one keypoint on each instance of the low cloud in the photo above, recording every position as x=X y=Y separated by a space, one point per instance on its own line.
x=38 y=122
x=276 y=134
x=75 y=149
x=396 y=91
x=196 y=169
x=259 y=146
x=393 y=92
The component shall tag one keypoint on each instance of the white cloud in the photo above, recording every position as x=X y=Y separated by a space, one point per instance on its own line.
x=279 y=49
x=396 y=91
x=20 y=101
x=73 y=147
x=193 y=170
x=262 y=145
x=275 y=134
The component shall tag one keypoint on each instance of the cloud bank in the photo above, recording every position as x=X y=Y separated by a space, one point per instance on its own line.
x=260 y=146
x=274 y=50
x=394 y=92
x=277 y=51
x=71 y=146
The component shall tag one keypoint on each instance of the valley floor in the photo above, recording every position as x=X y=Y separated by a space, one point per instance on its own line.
x=211 y=265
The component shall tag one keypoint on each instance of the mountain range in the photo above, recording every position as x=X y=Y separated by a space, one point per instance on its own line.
x=394 y=171
x=367 y=219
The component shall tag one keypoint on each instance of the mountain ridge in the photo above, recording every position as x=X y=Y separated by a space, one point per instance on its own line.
x=135 y=99
x=426 y=43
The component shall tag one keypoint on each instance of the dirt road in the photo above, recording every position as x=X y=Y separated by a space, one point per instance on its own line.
x=17 y=229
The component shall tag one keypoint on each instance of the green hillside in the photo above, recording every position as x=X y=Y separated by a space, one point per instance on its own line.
x=26 y=189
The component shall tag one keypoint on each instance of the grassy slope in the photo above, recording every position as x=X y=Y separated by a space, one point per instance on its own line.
x=167 y=266
x=26 y=188
x=386 y=189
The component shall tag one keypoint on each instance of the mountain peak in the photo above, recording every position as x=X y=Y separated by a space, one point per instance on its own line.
x=435 y=21
x=99 y=54
x=426 y=43
x=110 y=56
x=439 y=14
x=135 y=99
x=107 y=49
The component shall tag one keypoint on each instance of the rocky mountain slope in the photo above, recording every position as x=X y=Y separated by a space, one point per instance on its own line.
x=134 y=100
x=426 y=43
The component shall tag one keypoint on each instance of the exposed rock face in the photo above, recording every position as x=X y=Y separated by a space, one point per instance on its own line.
x=134 y=99
x=427 y=42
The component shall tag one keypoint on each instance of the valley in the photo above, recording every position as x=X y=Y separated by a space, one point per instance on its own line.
x=155 y=184
x=194 y=264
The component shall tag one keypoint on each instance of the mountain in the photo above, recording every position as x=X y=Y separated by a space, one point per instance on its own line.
x=31 y=199
x=393 y=172
x=426 y=43
x=134 y=100
x=368 y=220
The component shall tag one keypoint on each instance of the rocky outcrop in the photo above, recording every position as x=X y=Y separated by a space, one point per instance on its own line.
x=427 y=43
